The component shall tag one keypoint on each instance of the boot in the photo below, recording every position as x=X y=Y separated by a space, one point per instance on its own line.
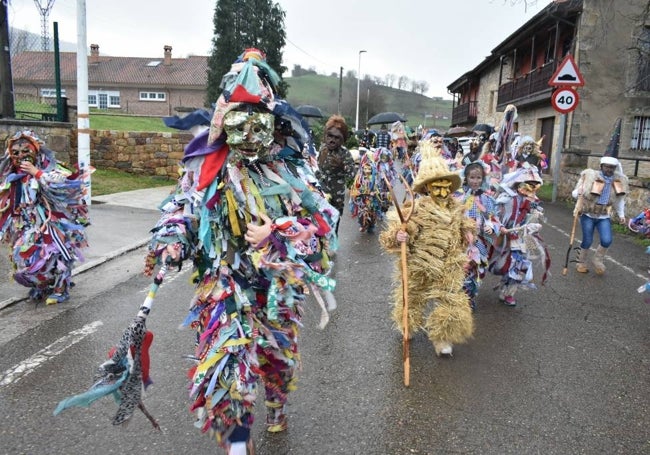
x=581 y=266
x=276 y=418
x=508 y=295
x=443 y=348
x=599 y=266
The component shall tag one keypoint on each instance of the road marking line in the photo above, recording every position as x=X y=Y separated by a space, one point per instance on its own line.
x=17 y=372
x=607 y=258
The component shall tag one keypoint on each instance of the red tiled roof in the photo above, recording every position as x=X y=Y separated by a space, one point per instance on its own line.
x=183 y=72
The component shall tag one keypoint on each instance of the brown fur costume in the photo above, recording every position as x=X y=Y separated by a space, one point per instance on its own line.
x=436 y=258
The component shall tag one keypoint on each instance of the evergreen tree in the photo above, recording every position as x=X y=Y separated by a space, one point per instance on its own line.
x=240 y=24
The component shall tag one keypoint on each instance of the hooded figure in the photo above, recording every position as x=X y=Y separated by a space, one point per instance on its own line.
x=437 y=235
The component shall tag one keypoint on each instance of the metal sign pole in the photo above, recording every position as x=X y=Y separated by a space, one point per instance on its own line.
x=558 y=157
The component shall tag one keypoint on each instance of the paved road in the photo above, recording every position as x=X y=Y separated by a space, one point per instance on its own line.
x=566 y=371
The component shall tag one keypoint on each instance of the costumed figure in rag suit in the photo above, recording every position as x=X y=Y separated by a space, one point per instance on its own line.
x=599 y=193
x=249 y=213
x=491 y=159
x=480 y=207
x=438 y=235
x=365 y=199
x=399 y=140
x=530 y=152
x=519 y=243
x=411 y=164
x=43 y=216
x=385 y=168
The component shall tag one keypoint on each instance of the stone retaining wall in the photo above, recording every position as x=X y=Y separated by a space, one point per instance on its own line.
x=142 y=153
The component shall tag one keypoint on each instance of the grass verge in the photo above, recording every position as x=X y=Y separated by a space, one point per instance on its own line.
x=112 y=181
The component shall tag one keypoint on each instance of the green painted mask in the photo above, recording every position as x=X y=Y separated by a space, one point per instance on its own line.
x=249 y=134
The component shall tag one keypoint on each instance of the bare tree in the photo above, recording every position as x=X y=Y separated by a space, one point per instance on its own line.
x=390 y=80
x=402 y=82
x=424 y=87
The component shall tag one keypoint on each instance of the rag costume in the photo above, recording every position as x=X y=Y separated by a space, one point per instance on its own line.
x=520 y=214
x=386 y=172
x=411 y=165
x=480 y=207
x=398 y=139
x=599 y=193
x=530 y=152
x=249 y=299
x=42 y=218
x=438 y=237
x=365 y=196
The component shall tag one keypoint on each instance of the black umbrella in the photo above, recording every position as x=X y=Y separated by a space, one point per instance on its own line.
x=483 y=128
x=386 y=117
x=307 y=110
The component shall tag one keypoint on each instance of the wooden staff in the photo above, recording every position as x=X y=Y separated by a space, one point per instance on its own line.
x=404 y=219
x=576 y=215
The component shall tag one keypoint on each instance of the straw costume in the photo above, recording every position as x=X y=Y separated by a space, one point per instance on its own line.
x=438 y=236
x=251 y=217
x=43 y=217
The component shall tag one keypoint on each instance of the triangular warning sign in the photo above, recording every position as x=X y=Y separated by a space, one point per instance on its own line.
x=567 y=74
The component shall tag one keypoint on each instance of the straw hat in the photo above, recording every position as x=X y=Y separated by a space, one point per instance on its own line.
x=434 y=167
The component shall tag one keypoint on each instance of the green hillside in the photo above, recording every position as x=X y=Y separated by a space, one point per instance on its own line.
x=323 y=92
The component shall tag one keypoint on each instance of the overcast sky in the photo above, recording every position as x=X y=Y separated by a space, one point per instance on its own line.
x=435 y=41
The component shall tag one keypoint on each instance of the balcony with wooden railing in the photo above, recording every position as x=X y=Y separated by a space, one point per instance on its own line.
x=464 y=114
x=531 y=88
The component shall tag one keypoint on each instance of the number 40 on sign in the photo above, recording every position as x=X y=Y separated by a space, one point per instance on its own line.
x=565 y=100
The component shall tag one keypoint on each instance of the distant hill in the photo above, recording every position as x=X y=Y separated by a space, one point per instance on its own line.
x=323 y=92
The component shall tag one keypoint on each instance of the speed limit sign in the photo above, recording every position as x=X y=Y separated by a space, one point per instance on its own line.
x=565 y=100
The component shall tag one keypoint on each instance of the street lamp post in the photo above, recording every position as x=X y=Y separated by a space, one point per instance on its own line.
x=356 y=124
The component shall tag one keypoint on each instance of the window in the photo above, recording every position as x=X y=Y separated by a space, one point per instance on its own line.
x=103 y=99
x=153 y=96
x=51 y=92
x=641 y=134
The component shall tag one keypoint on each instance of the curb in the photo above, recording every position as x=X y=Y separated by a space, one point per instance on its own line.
x=86 y=266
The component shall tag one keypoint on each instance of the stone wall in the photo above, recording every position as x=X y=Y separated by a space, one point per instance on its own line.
x=142 y=153
x=57 y=135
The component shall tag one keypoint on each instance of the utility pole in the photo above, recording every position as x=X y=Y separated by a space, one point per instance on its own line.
x=83 y=116
x=340 y=89
x=7 y=108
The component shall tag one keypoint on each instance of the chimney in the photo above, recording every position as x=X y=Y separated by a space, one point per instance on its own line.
x=94 y=53
x=168 y=55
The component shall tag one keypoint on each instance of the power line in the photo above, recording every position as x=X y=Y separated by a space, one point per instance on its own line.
x=45 y=13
